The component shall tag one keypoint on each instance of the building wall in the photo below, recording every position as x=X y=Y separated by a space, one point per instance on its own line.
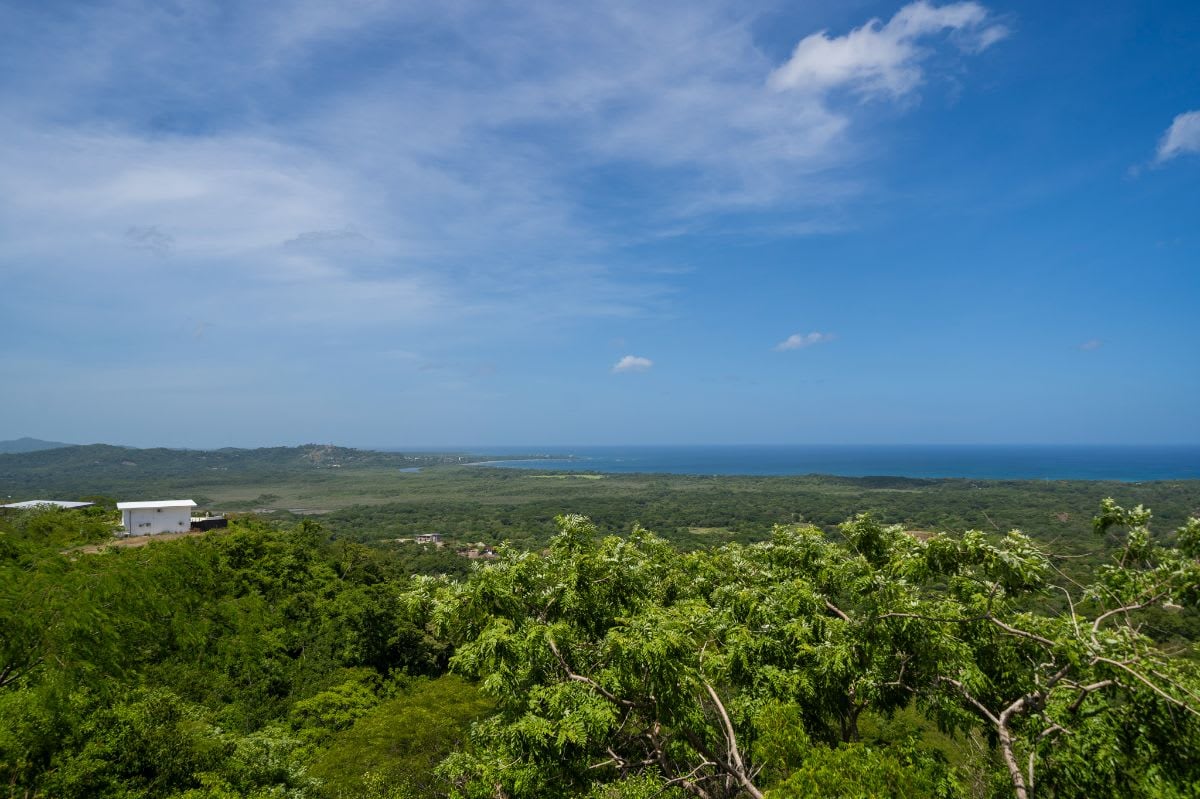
x=152 y=521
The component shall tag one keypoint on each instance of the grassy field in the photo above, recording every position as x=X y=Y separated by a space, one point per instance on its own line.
x=496 y=505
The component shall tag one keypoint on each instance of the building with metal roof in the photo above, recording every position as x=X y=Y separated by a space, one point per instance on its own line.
x=156 y=516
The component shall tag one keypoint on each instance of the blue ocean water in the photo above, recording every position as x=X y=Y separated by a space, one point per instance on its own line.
x=994 y=462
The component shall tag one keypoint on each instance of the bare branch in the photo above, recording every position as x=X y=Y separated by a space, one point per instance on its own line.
x=1007 y=746
x=1010 y=760
x=835 y=610
x=1176 y=685
x=1071 y=604
x=586 y=680
x=1053 y=729
x=962 y=689
x=13 y=672
x=735 y=756
x=1142 y=679
x=1124 y=609
x=1087 y=690
x=686 y=779
x=1022 y=633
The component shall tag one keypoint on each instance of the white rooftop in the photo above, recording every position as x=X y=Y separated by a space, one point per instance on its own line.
x=58 y=503
x=158 y=503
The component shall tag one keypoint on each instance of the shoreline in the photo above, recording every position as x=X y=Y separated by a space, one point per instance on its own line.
x=752 y=468
x=543 y=459
x=1126 y=464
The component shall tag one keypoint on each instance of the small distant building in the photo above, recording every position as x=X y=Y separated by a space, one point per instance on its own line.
x=39 y=503
x=429 y=538
x=202 y=523
x=477 y=551
x=157 y=516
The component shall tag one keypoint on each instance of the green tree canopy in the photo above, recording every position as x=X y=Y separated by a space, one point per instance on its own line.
x=619 y=658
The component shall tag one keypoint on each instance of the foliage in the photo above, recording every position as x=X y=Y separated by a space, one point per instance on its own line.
x=400 y=742
x=617 y=657
x=859 y=771
x=137 y=672
x=274 y=660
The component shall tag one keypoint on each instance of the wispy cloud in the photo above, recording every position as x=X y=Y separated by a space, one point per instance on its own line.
x=507 y=133
x=884 y=58
x=1091 y=345
x=325 y=238
x=1183 y=137
x=632 y=363
x=451 y=173
x=150 y=238
x=798 y=341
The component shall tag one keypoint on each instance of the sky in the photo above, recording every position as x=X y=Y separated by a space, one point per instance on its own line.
x=381 y=223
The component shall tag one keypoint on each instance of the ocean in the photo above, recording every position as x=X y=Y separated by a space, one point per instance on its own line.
x=1133 y=463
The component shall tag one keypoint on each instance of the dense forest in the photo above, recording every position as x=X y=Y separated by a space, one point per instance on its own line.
x=281 y=658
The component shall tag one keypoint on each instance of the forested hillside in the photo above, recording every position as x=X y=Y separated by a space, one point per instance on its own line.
x=274 y=659
x=227 y=665
x=127 y=471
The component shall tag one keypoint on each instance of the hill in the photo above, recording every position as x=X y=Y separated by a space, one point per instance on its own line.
x=127 y=471
x=27 y=444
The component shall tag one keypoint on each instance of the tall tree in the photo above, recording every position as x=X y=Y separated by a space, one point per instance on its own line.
x=620 y=658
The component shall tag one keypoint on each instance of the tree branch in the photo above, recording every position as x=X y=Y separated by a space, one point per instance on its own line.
x=735 y=756
x=687 y=780
x=1022 y=633
x=586 y=680
x=835 y=610
x=962 y=689
x=1124 y=609
x=1145 y=681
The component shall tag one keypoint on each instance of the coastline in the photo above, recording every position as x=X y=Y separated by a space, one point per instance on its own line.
x=1111 y=463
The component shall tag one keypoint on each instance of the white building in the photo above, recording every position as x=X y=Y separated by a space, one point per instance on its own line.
x=160 y=516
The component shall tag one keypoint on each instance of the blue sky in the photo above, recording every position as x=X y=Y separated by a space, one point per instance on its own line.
x=384 y=223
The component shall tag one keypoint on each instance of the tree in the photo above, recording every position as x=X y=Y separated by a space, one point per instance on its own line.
x=622 y=659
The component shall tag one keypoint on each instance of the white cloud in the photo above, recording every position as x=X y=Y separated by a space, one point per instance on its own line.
x=1091 y=344
x=883 y=58
x=632 y=363
x=442 y=180
x=506 y=131
x=798 y=341
x=1181 y=138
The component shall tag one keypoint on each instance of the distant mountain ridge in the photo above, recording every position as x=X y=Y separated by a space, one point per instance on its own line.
x=91 y=469
x=27 y=444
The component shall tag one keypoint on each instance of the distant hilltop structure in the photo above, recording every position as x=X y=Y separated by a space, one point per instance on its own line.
x=156 y=516
x=476 y=552
x=424 y=538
